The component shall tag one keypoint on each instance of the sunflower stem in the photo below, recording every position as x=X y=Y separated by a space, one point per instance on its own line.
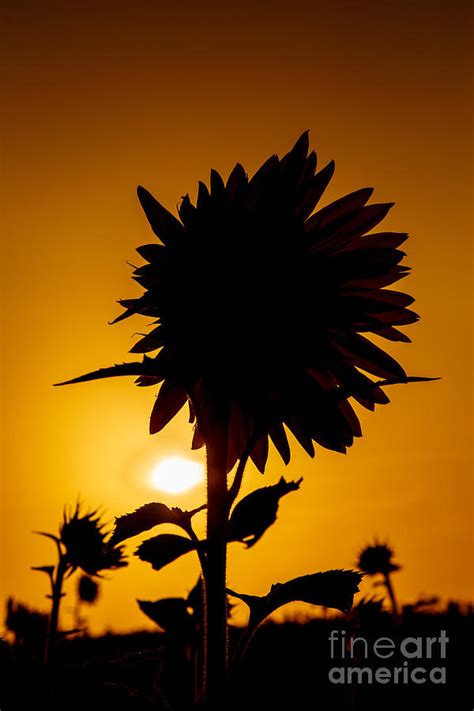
x=56 y=595
x=391 y=593
x=216 y=597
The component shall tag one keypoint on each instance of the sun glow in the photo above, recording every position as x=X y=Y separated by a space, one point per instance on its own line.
x=176 y=475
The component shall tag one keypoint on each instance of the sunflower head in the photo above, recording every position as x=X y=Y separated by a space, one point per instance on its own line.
x=263 y=309
x=85 y=543
x=377 y=558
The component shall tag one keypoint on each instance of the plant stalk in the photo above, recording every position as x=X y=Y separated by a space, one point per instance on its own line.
x=391 y=593
x=56 y=595
x=216 y=598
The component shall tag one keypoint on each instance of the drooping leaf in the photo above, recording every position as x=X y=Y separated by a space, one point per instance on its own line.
x=333 y=588
x=147 y=517
x=171 y=614
x=164 y=549
x=257 y=511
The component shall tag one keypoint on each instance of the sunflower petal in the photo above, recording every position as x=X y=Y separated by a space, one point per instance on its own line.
x=217 y=184
x=392 y=334
x=335 y=235
x=198 y=439
x=280 y=440
x=151 y=252
x=293 y=163
x=165 y=226
x=378 y=240
x=169 y=402
x=259 y=453
x=186 y=210
x=153 y=340
x=351 y=417
x=366 y=355
x=315 y=192
x=335 y=210
x=203 y=196
x=303 y=438
x=237 y=184
x=261 y=182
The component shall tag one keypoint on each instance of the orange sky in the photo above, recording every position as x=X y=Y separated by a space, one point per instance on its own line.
x=99 y=97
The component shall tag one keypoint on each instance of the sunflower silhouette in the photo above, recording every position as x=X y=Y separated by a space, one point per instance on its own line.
x=262 y=309
x=81 y=544
x=86 y=545
x=377 y=559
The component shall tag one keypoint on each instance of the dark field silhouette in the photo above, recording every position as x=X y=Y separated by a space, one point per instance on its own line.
x=286 y=666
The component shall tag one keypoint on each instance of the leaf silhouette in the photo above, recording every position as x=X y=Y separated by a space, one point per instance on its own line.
x=333 y=588
x=256 y=512
x=170 y=613
x=148 y=367
x=164 y=549
x=149 y=516
x=48 y=569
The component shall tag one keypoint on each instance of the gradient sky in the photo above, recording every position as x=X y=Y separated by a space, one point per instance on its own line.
x=99 y=97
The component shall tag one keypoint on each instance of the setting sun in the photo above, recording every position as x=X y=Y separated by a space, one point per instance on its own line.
x=176 y=475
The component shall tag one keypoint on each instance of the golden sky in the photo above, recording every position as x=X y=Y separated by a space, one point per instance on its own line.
x=99 y=97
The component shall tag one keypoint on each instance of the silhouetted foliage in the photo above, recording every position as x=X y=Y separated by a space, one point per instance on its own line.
x=28 y=626
x=257 y=511
x=149 y=516
x=334 y=588
x=163 y=549
x=171 y=614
